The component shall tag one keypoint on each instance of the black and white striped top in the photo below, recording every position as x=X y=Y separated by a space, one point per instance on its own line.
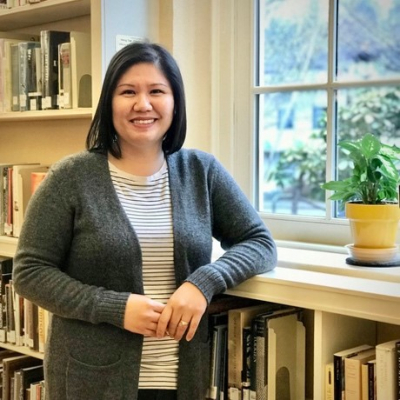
x=147 y=203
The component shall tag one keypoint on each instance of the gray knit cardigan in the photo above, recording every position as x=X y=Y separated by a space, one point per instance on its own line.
x=78 y=256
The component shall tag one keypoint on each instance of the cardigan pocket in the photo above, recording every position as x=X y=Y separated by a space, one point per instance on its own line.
x=92 y=382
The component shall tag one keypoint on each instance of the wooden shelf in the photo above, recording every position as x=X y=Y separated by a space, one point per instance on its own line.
x=78 y=113
x=8 y=245
x=22 y=350
x=42 y=13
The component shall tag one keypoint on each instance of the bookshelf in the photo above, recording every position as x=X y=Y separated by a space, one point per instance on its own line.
x=343 y=303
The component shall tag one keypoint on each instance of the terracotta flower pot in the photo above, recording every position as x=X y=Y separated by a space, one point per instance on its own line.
x=373 y=225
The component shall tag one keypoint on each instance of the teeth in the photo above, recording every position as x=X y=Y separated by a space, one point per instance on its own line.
x=143 y=121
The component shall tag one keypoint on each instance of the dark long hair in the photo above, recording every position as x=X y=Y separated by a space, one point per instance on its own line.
x=102 y=133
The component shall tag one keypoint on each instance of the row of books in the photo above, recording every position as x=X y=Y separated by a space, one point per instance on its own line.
x=17 y=184
x=5 y=4
x=365 y=372
x=257 y=352
x=47 y=71
x=21 y=377
x=22 y=322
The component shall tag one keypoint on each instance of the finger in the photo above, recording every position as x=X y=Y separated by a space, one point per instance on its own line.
x=194 y=324
x=183 y=325
x=163 y=322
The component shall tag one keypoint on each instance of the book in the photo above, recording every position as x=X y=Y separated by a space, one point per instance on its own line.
x=34 y=79
x=353 y=370
x=368 y=380
x=3 y=196
x=338 y=362
x=285 y=355
x=397 y=381
x=247 y=339
x=259 y=362
x=6 y=264
x=28 y=375
x=219 y=323
x=19 y=318
x=329 y=372
x=64 y=76
x=12 y=364
x=43 y=324
x=14 y=52
x=7 y=200
x=238 y=319
x=22 y=192
x=81 y=69
x=10 y=316
x=28 y=81
x=386 y=379
x=6 y=39
x=49 y=42
x=36 y=179
x=31 y=325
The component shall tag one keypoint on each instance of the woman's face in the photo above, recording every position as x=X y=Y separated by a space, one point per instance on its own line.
x=142 y=107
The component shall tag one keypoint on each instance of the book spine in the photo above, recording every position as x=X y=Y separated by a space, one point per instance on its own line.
x=49 y=42
x=329 y=373
x=34 y=79
x=8 y=202
x=64 y=75
x=247 y=338
x=14 y=77
x=397 y=380
x=233 y=349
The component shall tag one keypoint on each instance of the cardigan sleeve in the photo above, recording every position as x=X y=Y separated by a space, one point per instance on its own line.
x=250 y=248
x=42 y=255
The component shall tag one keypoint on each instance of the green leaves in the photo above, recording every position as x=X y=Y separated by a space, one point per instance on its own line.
x=375 y=178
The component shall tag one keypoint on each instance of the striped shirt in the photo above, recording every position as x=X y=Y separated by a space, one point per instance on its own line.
x=147 y=203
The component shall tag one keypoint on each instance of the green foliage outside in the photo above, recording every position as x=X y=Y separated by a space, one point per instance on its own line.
x=302 y=168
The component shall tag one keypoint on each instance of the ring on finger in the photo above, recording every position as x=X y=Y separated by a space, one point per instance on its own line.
x=183 y=323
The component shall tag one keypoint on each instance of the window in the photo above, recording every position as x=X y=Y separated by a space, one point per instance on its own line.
x=321 y=71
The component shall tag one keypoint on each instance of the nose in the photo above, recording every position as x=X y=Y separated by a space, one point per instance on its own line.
x=142 y=102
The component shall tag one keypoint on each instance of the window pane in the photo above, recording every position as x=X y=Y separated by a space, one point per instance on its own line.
x=293 y=41
x=292 y=152
x=373 y=110
x=368 y=39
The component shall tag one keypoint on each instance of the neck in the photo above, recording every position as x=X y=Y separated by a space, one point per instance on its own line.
x=139 y=164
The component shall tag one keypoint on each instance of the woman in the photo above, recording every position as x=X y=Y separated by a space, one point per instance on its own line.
x=117 y=244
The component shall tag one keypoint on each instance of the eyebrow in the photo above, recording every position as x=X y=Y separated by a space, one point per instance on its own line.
x=152 y=84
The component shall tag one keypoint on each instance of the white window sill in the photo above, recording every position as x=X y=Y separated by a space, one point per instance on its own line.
x=318 y=278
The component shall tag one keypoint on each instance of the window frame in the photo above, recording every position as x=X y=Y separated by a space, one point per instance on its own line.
x=234 y=125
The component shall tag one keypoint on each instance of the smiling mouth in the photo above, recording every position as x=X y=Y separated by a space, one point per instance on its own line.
x=143 y=121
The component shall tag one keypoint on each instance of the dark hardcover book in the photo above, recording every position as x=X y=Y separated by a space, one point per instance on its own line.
x=34 y=78
x=223 y=379
x=246 y=357
x=371 y=380
x=338 y=365
x=12 y=364
x=49 y=42
x=27 y=74
x=29 y=375
x=397 y=381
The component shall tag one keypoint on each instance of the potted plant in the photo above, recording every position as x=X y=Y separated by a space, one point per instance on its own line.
x=370 y=194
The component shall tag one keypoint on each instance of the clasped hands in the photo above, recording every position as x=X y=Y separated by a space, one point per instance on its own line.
x=181 y=314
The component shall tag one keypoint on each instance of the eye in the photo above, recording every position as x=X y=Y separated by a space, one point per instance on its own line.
x=128 y=92
x=157 y=91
